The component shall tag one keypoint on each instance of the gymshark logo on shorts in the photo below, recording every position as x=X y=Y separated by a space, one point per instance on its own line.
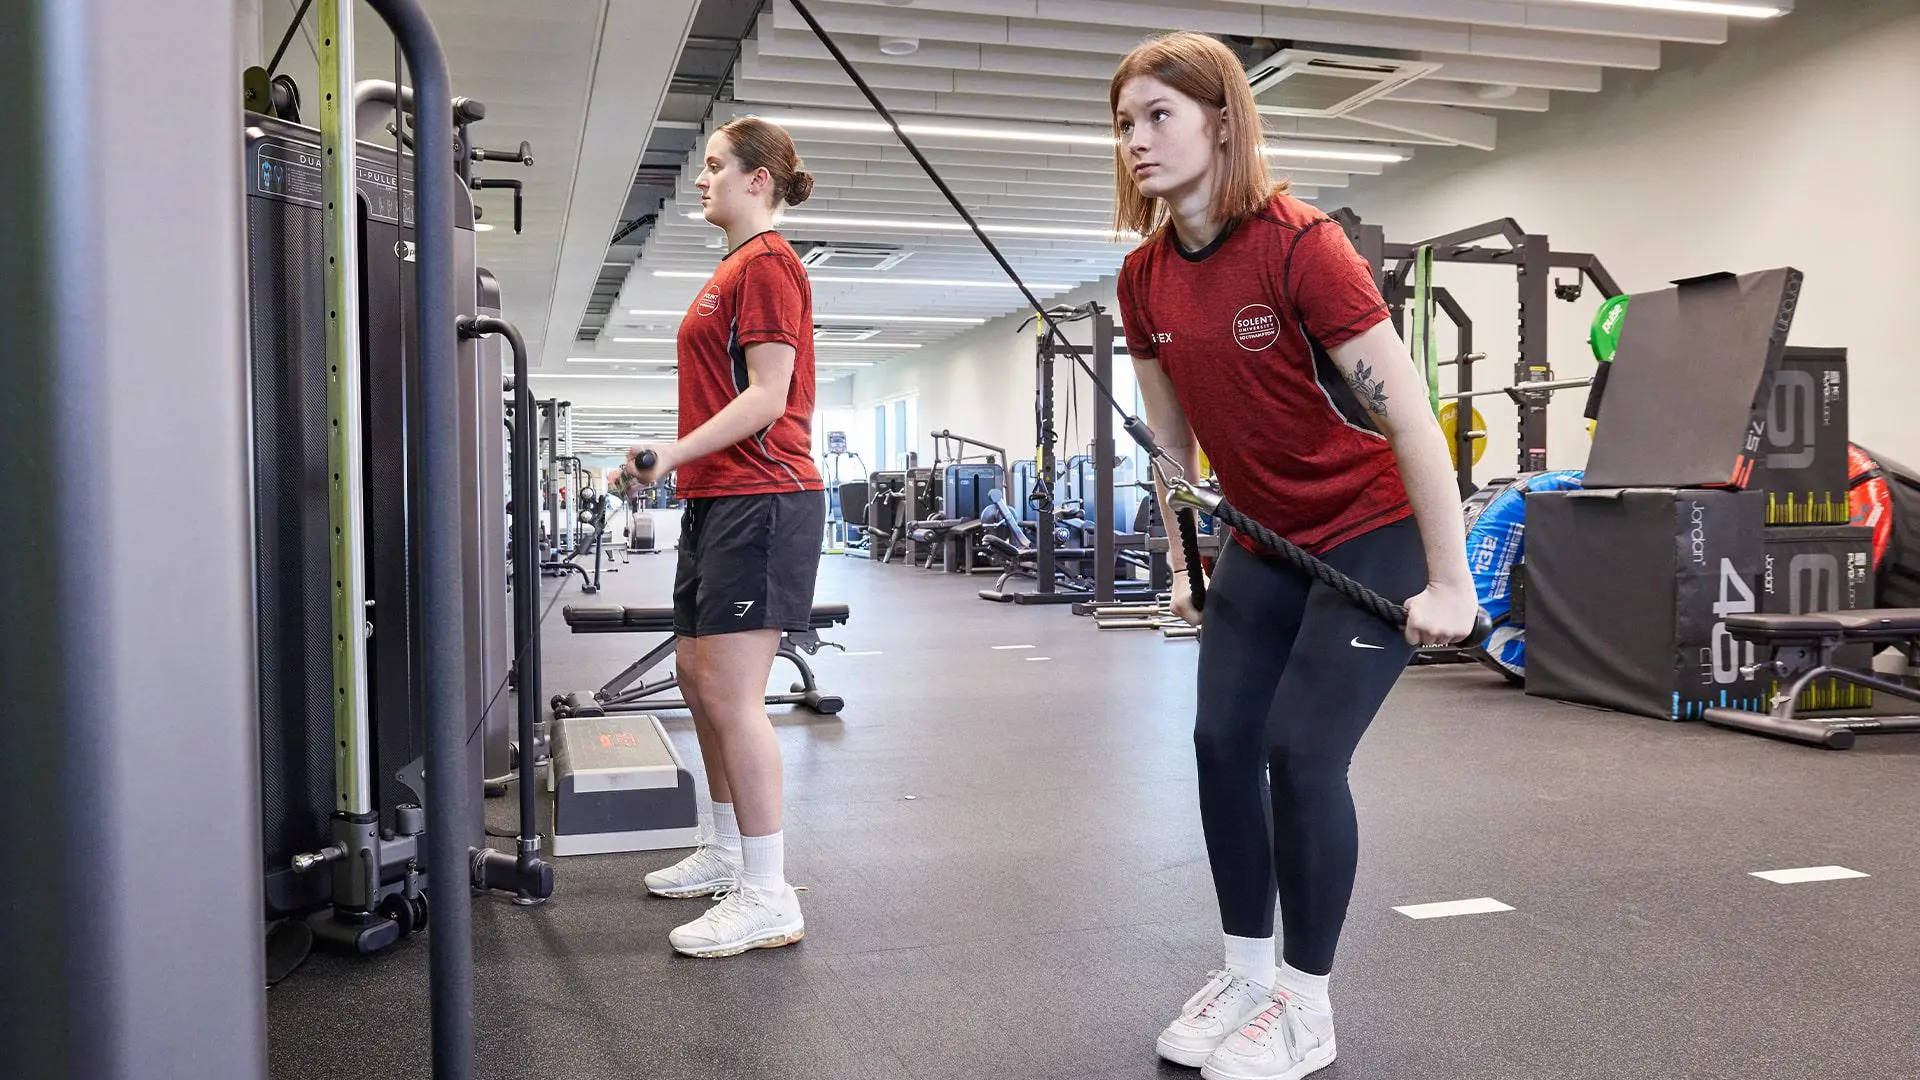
x=1358 y=644
x=744 y=606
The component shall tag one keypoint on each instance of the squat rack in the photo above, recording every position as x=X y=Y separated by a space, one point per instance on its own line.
x=1047 y=550
x=1533 y=258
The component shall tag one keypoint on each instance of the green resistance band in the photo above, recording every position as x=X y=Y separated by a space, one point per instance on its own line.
x=1423 y=314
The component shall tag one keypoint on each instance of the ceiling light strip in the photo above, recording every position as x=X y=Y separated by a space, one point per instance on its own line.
x=1695 y=7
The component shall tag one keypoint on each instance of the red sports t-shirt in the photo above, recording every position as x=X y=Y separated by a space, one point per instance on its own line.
x=1242 y=330
x=759 y=293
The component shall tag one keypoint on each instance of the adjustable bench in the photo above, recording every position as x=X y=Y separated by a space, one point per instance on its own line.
x=1800 y=651
x=619 y=695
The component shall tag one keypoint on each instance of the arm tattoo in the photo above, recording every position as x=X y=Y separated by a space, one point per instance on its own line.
x=1372 y=392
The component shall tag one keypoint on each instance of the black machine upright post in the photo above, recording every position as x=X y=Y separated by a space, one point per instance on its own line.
x=1043 y=482
x=442 y=592
x=1533 y=366
x=550 y=486
x=526 y=596
x=526 y=875
x=1464 y=436
x=1105 y=498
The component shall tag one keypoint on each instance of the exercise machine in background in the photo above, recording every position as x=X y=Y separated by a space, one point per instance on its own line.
x=839 y=535
x=1051 y=571
x=964 y=514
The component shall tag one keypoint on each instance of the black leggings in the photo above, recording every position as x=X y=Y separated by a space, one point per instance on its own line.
x=1291 y=674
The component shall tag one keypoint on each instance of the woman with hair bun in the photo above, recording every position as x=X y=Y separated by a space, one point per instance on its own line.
x=750 y=536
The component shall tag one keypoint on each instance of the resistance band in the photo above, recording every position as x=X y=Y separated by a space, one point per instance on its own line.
x=1184 y=493
x=1422 y=330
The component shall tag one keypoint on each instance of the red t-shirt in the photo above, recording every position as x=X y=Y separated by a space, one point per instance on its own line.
x=1242 y=330
x=759 y=293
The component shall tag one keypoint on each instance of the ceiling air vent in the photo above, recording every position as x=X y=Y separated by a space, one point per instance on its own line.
x=1296 y=82
x=833 y=256
x=829 y=333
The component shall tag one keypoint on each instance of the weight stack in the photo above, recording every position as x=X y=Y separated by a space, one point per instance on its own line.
x=1627 y=595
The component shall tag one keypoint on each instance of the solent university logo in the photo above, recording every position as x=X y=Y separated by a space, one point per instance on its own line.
x=709 y=301
x=1255 y=327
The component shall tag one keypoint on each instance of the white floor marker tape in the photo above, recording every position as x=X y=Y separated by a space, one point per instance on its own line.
x=1485 y=905
x=1808 y=873
x=1004 y=648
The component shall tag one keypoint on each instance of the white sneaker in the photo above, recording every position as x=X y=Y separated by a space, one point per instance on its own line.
x=705 y=872
x=1284 y=1042
x=743 y=919
x=1209 y=1017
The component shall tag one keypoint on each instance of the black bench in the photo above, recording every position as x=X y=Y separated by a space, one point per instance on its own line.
x=620 y=695
x=1799 y=651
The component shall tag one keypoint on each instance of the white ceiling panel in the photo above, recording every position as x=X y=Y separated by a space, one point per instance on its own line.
x=1033 y=75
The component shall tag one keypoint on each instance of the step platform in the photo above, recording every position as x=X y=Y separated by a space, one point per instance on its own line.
x=619 y=785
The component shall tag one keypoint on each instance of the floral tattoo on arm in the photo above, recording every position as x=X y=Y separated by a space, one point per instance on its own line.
x=1372 y=392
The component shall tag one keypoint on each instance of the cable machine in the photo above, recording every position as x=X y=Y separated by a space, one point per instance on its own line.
x=1051 y=584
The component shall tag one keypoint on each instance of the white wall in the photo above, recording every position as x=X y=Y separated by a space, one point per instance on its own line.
x=981 y=383
x=1797 y=143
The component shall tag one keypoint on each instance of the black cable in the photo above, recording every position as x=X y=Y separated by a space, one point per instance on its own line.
x=293 y=28
x=514 y=668
x=873 y=99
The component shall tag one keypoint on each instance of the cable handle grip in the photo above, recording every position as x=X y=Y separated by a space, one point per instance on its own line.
x=1189 y=497
x=1190 y=544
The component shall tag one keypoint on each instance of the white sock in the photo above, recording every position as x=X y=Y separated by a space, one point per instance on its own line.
x=726 y=830
x=1251 y=959
x=1311 y=990
x=764 y=862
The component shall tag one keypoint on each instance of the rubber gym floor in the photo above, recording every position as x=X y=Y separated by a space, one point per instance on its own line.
x=1005 y=878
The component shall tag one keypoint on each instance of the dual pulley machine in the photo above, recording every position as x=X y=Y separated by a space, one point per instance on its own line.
x=378 y=487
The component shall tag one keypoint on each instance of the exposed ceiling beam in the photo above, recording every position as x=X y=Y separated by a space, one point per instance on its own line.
x=1614 y=22
x=1432 y=91
x=886 y=76
x=1084 y=25
x=920 y=101
x=864 y=51
x=1455 y=125
x=1582 y=78
x=1572 y=18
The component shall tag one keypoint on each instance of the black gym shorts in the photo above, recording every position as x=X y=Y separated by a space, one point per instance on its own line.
x=748 y=562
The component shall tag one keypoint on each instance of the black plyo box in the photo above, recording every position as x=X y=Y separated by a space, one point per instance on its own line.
x=1628 y=590
x=1802 y=465
x=1821 y=568
x=1691 y=385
